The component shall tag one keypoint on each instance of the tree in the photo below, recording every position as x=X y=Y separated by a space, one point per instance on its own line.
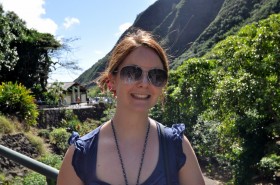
x=247 y=95
x=8 y=53
x=25 y=52
x=233 y=92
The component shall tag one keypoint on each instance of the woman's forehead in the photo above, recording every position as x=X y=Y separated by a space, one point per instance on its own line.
x=143 y=57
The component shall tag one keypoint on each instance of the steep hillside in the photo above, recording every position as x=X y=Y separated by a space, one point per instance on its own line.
x=189 y=28
x=232 y=16
x=187 y=20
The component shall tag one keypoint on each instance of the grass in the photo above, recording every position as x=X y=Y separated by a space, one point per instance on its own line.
x=37 y=142
x=6 y=125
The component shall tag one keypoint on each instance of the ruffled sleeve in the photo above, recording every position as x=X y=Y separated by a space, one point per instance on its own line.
x=178 y=133
x=73 y=138
x=77 y=159
x=84 y=150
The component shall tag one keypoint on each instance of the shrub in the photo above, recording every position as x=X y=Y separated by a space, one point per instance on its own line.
x=37 y=142
x=69 y=115
x=59 y=137
x=6 y=126
x=53 y=94
x=70 y=121
x=52 y=160
x=88 y=126
x=15 y=181
x=108 y=113
x=34 y=178
x=16 y=100
x=71 y=125
x=270 y=166
x=44 y=133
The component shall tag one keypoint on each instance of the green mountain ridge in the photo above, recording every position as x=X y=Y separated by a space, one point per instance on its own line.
x=190 y=28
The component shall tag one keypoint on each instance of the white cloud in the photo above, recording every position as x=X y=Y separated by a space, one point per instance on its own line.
x=69 y=21
x=31 y=11
x=122 y=28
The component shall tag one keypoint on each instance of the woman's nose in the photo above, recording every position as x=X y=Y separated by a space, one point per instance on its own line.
x=144 y=81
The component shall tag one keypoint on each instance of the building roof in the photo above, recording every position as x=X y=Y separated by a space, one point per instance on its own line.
x=66 y=85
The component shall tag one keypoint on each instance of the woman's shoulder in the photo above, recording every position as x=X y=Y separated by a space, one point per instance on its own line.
x=173 y=141
x=83 y=149
x=175 y=131
x=85 y=141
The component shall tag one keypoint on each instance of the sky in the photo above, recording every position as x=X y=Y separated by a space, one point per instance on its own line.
x=97 y=25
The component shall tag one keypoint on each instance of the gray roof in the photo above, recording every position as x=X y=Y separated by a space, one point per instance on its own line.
x=67 y=85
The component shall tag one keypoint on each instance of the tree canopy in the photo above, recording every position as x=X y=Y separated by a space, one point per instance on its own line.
x=26 y=55
x=229 y=99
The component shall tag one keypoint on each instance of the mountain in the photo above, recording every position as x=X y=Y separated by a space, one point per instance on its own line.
x=190 y=28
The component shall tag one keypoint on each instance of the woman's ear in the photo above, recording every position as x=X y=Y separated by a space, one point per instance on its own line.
x=112 y=81
x=111 y=84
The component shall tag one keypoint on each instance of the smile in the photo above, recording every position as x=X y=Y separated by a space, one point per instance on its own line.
x=141 y=96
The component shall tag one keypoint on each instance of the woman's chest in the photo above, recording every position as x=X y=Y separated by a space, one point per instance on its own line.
x=114 y=164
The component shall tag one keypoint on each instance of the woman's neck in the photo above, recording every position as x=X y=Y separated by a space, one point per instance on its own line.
x=130 y=124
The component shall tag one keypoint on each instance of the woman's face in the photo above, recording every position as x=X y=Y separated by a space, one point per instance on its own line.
x=140 y=95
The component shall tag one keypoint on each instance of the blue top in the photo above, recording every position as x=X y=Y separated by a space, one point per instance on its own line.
x=84 y=157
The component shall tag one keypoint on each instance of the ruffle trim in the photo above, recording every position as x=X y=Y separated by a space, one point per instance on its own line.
x=178 y=130
x=76 y=140
x=178 y=134
x=73 y=138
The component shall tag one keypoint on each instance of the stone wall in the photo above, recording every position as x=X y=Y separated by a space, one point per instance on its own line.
x=51 y=117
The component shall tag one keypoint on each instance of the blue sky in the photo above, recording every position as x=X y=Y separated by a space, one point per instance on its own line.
x=96 y=24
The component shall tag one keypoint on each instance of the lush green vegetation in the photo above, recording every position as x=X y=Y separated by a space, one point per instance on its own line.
x=34 y=178
x=26 y=59
x=16 y=100
x=27 y=56
x=53 y=94
x=57 y=138
x=229 y=100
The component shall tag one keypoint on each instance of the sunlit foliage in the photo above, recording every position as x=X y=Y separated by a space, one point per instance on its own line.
x=233 y=92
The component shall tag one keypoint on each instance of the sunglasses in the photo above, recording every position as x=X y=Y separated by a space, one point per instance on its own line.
x=132 y=74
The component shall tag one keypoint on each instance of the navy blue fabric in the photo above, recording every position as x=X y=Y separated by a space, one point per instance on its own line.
x=84 y=158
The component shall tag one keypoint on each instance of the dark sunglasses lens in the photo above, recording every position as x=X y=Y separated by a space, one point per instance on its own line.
x=158 y=77
x=130 y=74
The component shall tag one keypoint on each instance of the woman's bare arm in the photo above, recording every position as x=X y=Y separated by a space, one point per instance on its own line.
x=190 y=173
x=67 y=174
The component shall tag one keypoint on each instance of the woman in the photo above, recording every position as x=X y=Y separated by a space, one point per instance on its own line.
x=128 y=148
